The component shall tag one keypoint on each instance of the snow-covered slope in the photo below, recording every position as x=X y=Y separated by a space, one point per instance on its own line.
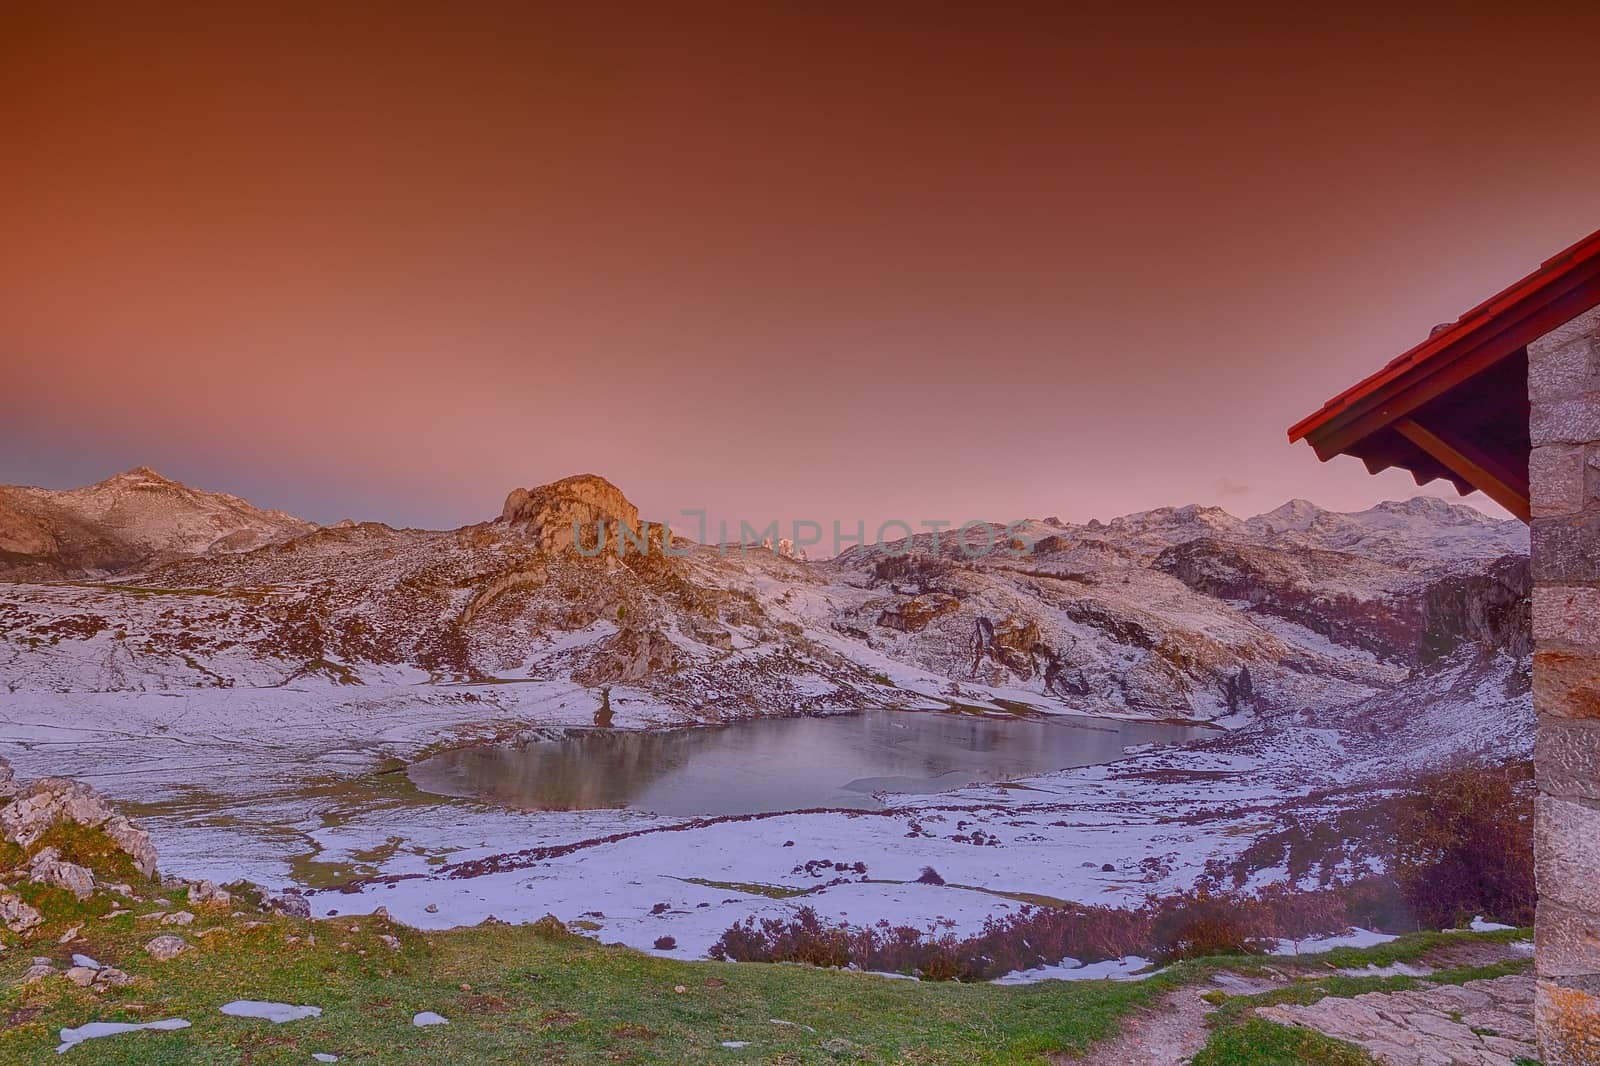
x=1185 y=613
x=134 y=519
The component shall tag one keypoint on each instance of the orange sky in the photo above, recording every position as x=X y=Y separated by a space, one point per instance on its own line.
x=822 y=265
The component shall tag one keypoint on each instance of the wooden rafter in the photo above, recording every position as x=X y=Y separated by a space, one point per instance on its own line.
x=1493 y=478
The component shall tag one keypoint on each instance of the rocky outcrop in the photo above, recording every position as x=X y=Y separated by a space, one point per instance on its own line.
x=630 y=656
x=914 y=614
x=49 y=868
x=49 y=801
x=1492 y=610
x=17 y=915
x=551 y=514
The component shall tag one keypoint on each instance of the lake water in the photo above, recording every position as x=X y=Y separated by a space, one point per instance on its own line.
x=780 y=764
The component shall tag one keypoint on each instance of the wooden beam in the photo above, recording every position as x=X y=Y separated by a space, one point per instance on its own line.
x=1483 y=471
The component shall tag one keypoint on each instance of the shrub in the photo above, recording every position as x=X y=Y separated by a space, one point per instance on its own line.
x=1464 y=846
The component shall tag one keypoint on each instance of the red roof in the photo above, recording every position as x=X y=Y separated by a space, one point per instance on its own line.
x=1463 y=390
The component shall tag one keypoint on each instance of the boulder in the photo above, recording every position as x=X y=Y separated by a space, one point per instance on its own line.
x=291 y=903
x=49 y=868
x=37 y=972
x=49 y=801
x=166 y=947
x=203 y=893
x=8 y=779
x=16 y=915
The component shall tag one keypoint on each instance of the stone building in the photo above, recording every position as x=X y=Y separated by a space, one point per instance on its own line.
x=1507 y=400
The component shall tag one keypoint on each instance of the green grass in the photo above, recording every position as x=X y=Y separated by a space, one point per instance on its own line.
x=1258 y=1042
x=517 y=994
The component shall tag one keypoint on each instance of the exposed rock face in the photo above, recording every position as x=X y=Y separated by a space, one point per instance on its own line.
x=1489 y=1021
x=549 y=513
x=48 y=868
x=16 y=915
x=631 y=655
x=134 y=519
x=51 y=800
x=915 y=614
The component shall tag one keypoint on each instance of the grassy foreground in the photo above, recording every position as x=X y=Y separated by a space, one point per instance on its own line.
x=517 y=994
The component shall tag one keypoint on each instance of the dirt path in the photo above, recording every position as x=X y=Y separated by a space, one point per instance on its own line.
x=1167 y=1035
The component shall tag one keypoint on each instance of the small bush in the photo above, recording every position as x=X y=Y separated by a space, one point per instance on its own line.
x=666 y=943
x=929 y=876
x=1464 y=846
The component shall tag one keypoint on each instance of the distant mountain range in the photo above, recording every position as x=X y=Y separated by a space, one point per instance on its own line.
x=142 y=583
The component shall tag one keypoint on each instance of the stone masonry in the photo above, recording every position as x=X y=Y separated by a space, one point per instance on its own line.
x=1564 y=471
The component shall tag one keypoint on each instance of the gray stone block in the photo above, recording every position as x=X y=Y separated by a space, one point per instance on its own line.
x=1573 y=420
x=1556 y=479
x=1567 y=758
x=1566 y=940
x=1566 y=549
x=1563 y=371
x=1567 y=613
x=1566 y=852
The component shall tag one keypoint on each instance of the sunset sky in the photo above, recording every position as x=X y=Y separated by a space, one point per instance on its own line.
x=350 y=261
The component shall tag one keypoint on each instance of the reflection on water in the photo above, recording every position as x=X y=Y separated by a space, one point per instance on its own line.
x=779 y=764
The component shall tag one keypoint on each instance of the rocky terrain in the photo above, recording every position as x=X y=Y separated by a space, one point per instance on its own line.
x=1186 y=613
x=256 y=704
x=134 y=520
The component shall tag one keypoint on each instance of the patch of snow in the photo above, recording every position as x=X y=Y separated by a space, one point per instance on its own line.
x=70 y=1038
x=1356 y=938
x=84 y=960
x=428 y=1017
x=1131 y=968
x=272 y=1012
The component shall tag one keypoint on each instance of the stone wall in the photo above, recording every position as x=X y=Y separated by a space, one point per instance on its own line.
x=1564 y=468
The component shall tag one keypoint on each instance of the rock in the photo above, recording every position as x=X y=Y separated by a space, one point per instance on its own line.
x=8 y=779
x=914 y=614
x=52 y=800
x=177 y=918
x=17 y=915
x=391 y=942
x=550 y=512
x=84 y=960
x=111 y=977
x=432 y=908
x=82 y=976
x=70 y=935
x=48 y=869
x=37 y=972
x=629 y=655
x=206 y=893
x=292 y=904
x=166 y=947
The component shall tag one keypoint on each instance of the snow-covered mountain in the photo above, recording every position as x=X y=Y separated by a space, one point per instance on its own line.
x=134 y=520
x=1184 y=613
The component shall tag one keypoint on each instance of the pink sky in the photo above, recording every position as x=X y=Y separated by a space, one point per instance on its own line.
x=773 y=266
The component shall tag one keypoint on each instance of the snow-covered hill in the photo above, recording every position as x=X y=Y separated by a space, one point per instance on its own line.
x=132 y=520
x=1184 y=613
